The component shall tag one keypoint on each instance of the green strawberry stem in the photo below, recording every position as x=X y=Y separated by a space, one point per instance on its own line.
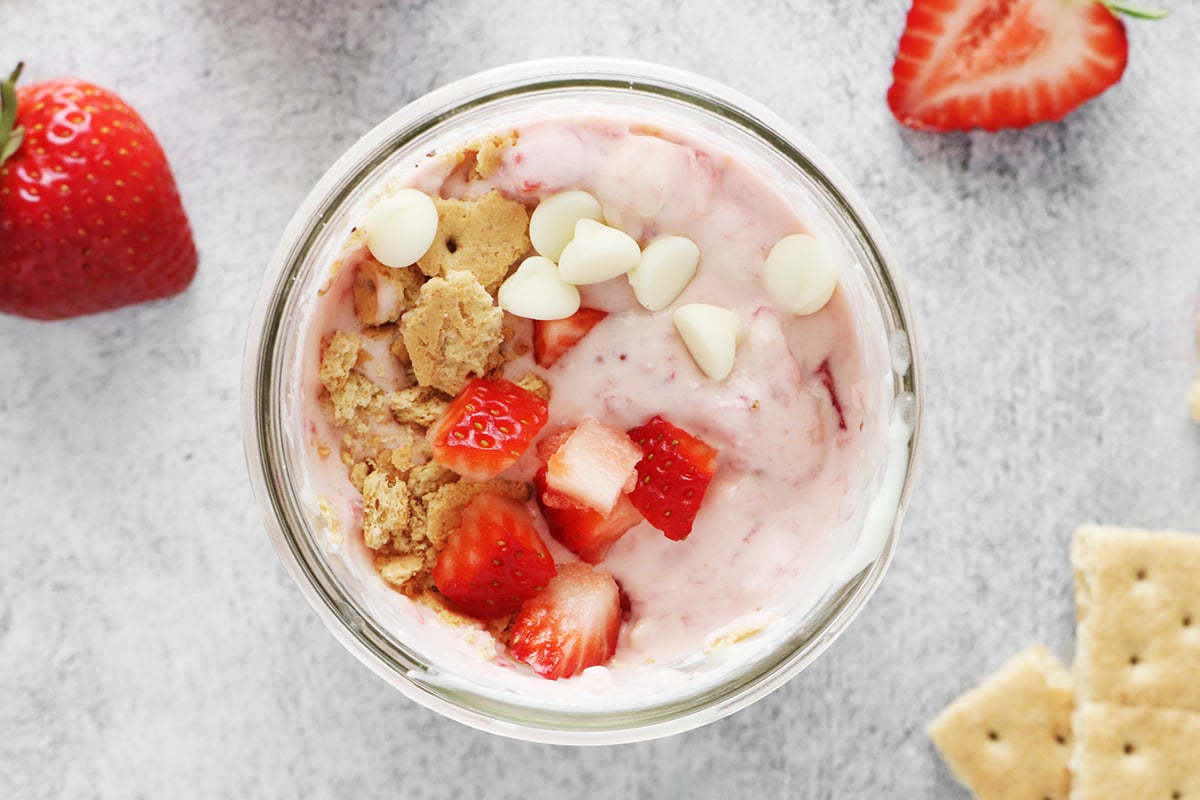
x=10 y=139
x=1135 y=9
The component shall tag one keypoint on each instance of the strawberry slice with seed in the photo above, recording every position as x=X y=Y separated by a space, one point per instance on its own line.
x=487 y=427
x=572 y=625
x=672 y=477
x=552 y=338
x=495 y=560
x=586 y=533
x=993 y=64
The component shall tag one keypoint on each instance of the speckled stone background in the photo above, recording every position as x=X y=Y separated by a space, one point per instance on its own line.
x=152 y=646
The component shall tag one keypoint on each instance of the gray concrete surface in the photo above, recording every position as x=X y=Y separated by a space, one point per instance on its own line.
x=150 y=643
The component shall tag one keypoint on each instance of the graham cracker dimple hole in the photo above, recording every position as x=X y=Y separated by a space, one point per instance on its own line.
x=995 y=737
x=1134 y=660
x=451 y=245
x=1187 y=620
x=1060 y=738
x=1141 y=574
x=1128 y=748
x=1176 y=795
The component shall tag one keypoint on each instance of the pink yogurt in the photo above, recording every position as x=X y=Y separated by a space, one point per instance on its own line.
x=776 y=521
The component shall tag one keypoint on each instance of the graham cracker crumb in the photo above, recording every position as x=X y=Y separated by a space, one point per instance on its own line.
x=484 y=237
x=385 y=509
x=420 y=405
x=399 y=570
x=445 y=506
x=348 y=391
x=398 y=349
x=381 y=293
x=330 y=521
x=490 y=154
x=453 y=333
x=536 y=384
x=427 y=478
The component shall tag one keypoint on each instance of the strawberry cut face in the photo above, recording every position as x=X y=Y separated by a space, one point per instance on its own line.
x=672 y=477
x=495 y=560
x=553 y=338
x=586 y=533
x=574 y=624
x=487 y=428
x=994 y=64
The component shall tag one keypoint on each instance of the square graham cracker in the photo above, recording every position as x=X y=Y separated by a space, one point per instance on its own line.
x=1135 y=753
x=1137 y=597
x=1010 y=737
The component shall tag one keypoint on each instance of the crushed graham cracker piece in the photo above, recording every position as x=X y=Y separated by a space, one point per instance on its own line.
x=399 y=349
x=453 y=333
x=399 y=570
x=445 y=506
x=385 y=508
x=490 y=154
x=382 y=293
x=425 y=479
x=484 y=237
x=536 y=384
x=348 y=391
x=419 y=405
x=330 y=521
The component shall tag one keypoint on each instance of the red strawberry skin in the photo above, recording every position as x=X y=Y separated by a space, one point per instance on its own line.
x=672 y=476
x=586 y=533
x=553 y=338
x=994 y=64
x=90 y=216
x=487 y=428
x=572 y=625
x=495 y=560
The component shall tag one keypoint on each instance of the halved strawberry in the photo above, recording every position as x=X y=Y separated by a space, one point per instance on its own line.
x=495 y=560
x=487 y=428
x=572 y=625
x=552 y=338
x=996 y=64
x=593 y=466
x=673 y=476
x=586 y=533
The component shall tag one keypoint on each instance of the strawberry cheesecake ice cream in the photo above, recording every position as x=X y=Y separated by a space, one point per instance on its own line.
x=590 y=395
x=582 y=409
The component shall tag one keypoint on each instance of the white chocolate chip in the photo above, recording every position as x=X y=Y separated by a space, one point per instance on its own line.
x=401 y=228
x=597 y=253
x=800 y=274
x=711 y=335
x=535 y=291
x=666 y=268
x=552 y=223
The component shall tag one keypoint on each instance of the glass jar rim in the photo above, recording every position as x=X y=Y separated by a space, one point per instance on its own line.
x=273 y=482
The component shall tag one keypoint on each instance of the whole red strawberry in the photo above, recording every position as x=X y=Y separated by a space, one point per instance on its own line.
x=994 y=64
x=90 y=218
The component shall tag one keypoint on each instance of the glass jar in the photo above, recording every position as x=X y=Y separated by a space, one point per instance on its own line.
x=357 y=606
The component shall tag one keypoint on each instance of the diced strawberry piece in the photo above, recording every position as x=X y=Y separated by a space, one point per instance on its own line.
x=827 y=381
x=593 y=466
x=673 y=476
x=487 y=428
x=552 y=338
x=572 y=625
x=583 y=531
x=994 y=64
x=495 y=560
